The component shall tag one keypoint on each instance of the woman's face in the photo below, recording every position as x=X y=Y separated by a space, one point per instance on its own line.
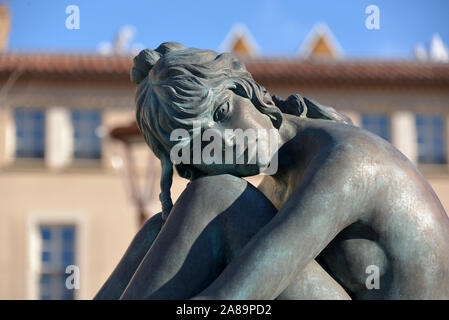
x=244 y=133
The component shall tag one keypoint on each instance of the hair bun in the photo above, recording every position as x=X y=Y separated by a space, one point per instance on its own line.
x=143 y=63
x=147 y=58
x=166 y=47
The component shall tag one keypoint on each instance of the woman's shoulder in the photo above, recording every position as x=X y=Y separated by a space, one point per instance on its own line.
x=345 y=133
x=353 y=146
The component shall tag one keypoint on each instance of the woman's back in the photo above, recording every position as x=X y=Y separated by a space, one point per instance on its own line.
x=402 y=226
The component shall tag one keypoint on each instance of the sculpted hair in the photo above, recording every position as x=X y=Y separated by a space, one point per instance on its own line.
x=179 y=85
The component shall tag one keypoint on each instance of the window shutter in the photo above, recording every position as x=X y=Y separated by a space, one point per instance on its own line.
x=59 y=138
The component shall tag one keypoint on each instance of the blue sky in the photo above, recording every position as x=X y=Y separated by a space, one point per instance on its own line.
x=279 y=27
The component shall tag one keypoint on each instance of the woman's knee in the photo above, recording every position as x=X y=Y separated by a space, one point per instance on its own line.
x=216 y=194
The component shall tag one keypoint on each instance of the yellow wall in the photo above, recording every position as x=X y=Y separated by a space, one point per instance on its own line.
x=99 y=198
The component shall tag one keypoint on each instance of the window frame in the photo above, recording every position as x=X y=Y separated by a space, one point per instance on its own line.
x=80 y=161
x=29 y=159
x=444 y=141
x=35 y=220
x=378 y=114
x=56 y=248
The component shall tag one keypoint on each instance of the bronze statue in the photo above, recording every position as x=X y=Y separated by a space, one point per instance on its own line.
x=342 y=200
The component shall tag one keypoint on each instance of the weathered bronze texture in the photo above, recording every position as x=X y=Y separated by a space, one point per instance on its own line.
x=342 y=199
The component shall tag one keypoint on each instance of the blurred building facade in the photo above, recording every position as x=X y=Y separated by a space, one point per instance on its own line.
x=66 y=196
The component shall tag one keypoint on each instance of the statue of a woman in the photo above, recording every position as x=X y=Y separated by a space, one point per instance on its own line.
x=345 y=215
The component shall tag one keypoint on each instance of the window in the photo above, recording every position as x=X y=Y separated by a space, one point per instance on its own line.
x=30 y=132
x=377 y=124
x=87 y=143
x=431 y=139
x=57 y=252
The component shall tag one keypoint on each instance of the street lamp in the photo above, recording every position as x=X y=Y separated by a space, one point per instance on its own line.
x=130 y=137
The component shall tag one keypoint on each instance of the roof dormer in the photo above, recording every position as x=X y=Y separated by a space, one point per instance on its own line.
x=320 y=43
x=240 y=42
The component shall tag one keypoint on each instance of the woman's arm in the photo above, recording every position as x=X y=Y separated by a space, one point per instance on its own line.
x=323 y=204
x=314 y=283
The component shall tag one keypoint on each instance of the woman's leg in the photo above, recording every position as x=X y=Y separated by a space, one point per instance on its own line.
x=190 y=250
x=210 y=223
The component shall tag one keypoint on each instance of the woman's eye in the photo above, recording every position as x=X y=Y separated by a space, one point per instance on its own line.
x=221 y=112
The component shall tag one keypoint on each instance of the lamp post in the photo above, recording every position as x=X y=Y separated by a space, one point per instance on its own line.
x=130 y=136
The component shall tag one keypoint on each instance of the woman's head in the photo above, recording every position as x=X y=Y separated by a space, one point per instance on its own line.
x=179 y=86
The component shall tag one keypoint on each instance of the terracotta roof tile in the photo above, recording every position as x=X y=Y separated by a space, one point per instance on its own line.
x=263 y=69
x=65 y=63
x=407 y=71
